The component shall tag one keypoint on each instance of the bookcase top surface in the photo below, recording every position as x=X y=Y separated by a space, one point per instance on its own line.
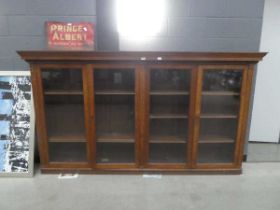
x=34 y=56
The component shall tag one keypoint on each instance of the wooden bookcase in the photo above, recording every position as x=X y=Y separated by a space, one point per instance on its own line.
x=141 y=111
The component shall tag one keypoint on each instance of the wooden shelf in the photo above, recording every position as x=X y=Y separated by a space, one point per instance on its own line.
x=218 y=116
x=169 y=93
x=220 y=93
x=65 y=122
x=167 y=140
x=113 y=92
x=215 y=140
x=168 y=116
x=67 y=138
x=115 y=138
x=63 y=92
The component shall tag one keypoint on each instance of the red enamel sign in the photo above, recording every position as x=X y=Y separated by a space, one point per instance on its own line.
x=70 y=35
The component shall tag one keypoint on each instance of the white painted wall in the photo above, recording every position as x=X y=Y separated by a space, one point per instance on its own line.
x=265 y=124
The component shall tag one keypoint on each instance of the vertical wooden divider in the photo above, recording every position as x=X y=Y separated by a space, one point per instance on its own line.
x=138 y=116
x=195 y=109
x=145 y=98
x=243 y=114
x=88 y=89
x=38 y=97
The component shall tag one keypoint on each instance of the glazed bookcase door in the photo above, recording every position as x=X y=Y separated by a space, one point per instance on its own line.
x=167 y=124
x=64 y=114
x=115 y=106
x=220 y=102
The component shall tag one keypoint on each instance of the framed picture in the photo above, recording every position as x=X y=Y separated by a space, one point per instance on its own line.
x=16 y=124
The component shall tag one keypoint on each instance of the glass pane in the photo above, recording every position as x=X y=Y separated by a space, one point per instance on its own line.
x=64 y=111
x=67 y=152
x=167 y=153
x=168 y=128
x=62 y=79
x=222 y=80
x=65 y=116
x=115 y=115
x=114 y=80
x=115 y=152
x=168 y=138
x=220 y=105
x=170 y=80
x=169 y=105
x=219 y=115
x=216 y=153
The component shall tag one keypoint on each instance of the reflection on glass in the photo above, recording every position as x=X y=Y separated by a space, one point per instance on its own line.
x=115 y=115
x=114 y=80
x=62 y=79
x=171 y=79
x=219 y=115
x=222 y=80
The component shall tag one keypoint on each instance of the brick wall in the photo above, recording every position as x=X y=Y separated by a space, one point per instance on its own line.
x=206 y=25
x=191 y=25
x=22 y=25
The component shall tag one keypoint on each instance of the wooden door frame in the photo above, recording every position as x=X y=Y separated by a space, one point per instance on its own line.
x=142 y=88
x=244 y=113
x=138 y=116
x=39 y=102
x=39 y=105
x=88 y=78
x=146 y=121
x=243 y=108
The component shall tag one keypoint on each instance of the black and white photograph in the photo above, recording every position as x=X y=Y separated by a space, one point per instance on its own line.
x=15 y=124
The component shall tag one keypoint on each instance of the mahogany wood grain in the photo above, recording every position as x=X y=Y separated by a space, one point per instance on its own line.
x=138 y=56
x=38 y=98
x=145 y=117
x=216 y=166
x=210 y=139
x=115 y=92
x=196 y=109
x=218 y=116
x=142 y=63
x=88 y=89
x=168 y=116
x=116 y=166
x=163 y=166
x=116 y=138
x=168 y=139
x=65 y=165
x=220 y=93
x=240 y=117
x=192 y=107
x=169 y=93
x=67 y=138
x=244 y=110
x=132 y=170
x=138 y=116
x=61 y=92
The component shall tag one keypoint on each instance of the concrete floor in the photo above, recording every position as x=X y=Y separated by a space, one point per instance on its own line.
x=263 y=152
x=258 y=188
